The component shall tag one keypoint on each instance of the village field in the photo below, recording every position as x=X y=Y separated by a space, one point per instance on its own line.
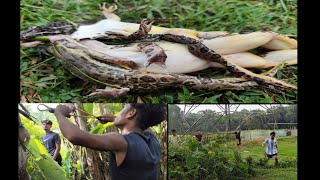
x=287 y=148
x=220 y=158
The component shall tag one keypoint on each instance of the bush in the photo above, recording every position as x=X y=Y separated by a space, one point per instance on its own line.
x=285 y=163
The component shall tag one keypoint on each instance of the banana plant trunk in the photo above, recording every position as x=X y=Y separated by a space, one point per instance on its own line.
x=164 y=153
x=23 y=140
x=95 y=164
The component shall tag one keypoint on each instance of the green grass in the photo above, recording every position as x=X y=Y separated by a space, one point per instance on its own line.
x=287 y=147
x=287 y=150
x=43 y=79
x=276 y=174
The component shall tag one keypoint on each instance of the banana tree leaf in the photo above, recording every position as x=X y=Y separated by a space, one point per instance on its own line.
x=67 y=162
x=88 y=107
x=50 y=169
x=36 y=148
x=101 y=127
x=116 y=108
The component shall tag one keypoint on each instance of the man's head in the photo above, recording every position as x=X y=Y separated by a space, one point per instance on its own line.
x=46 y=125
x=272 y=134
x=198 y=131
x=142 y=116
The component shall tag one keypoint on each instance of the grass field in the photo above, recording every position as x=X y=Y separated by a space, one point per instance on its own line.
x=287 y=150
x=221 y=154
x=43 y=79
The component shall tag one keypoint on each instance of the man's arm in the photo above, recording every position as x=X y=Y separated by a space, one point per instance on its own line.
x=107 y=142
x=56 y=153
x=264 y=142
x=57 y=142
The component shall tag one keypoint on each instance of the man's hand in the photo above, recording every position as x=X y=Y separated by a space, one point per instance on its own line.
x=64 y=110
x=106 y=118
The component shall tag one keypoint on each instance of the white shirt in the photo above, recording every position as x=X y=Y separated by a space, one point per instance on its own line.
x=271 y=146
x=174 y=140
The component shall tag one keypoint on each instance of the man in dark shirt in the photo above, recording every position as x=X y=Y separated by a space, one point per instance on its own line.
x=51 y=141
x=199 y=139
x=238 y=138
x=135 y=153
x=199 y=136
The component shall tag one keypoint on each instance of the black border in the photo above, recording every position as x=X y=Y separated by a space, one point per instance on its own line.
x=308 y=91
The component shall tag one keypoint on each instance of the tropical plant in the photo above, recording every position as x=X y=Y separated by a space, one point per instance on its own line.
x=78 y=162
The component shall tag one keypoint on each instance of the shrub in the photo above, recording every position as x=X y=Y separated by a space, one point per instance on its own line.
x=213 y=161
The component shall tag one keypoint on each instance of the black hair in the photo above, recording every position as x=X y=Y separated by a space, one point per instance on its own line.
x=150 y=114
x=173 y=130
x=274 y=133
x=47 y=121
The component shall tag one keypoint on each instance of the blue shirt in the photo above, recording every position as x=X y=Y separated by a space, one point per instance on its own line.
x=271 y=146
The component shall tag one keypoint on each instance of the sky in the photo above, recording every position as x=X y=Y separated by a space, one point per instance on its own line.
x=232 y=108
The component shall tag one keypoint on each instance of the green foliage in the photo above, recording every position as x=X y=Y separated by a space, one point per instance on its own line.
x=100 y=128
x=114 y=107
x=213 y=161
x=67 y=163
x=191 y=162
x=35 y=130
x=88 y=107
x=41 y=164
x=224 y=160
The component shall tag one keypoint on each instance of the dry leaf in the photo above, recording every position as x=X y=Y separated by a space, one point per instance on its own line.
x=23 y=99
x=29 y=98
x=51 y=75
x=26 y=74
x=42 y=85
x=33 y=61
x=39 y=97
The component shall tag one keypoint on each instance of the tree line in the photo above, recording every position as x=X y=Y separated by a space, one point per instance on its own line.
x=212 y=121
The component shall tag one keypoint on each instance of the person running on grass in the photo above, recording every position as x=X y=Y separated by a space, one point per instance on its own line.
x=271 y=148
x=135 y=152
x=51 y=141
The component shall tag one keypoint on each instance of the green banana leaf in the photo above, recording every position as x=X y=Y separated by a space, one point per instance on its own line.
x=101 y=127
x=47 y=167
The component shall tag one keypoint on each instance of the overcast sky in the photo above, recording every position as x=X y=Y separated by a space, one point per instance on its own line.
x=232 y=108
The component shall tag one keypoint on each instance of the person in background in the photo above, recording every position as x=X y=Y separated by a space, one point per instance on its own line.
x=199 y=139
x=271 y=148
x=174 y=139
x=238 y=138
x=51 y=141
